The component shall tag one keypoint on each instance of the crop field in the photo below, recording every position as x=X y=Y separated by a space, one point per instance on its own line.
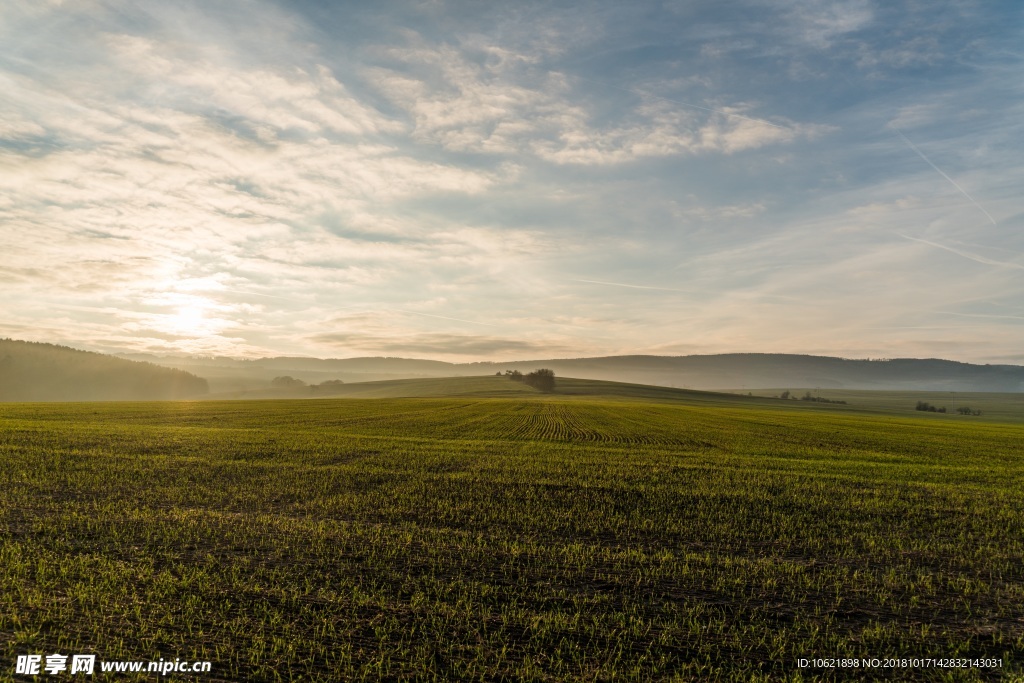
x=516 y=538
x=992 y=406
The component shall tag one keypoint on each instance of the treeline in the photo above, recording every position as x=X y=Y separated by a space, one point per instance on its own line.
x=31 y=371
x=542 y=379
x=290 y=383
x=809 y=397
x=928 y=407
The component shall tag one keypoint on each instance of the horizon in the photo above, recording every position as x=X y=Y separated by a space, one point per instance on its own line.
x=462 y=183
x=128 y=356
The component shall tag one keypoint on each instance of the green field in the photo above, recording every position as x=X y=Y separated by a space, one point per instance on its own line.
x=1000 y=407
x=993 y=406
x=606 y=533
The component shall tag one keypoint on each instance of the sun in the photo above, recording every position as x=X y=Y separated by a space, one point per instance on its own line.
x=189 y=320
x=191 y=316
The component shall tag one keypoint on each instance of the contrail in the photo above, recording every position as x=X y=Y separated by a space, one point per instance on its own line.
x=916 y=327
x=686 y=104
x=622 y=284
x=939 y=170
x=965 y=254
x=983 y=315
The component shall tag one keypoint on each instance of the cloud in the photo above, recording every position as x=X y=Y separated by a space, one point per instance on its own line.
x=629 y=286
x=187 y=176
x=270 y=101
x=192 y=170
x=440 y=344
x=490 y=107
x=695 y=211
x=819 y=23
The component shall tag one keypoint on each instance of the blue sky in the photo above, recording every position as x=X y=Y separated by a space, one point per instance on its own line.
x=465 y=180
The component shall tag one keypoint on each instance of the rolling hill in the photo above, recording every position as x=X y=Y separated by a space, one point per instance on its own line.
x=1004 y=407
x=732 y=371
x=32 y=371
x=44 y=372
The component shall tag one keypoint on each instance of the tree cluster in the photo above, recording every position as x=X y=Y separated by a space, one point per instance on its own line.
x=287 y=382
x=928 y=407
x=327 y=386
x=542 y=379
x=818 y=399
x=966 y=410
x=809 y=397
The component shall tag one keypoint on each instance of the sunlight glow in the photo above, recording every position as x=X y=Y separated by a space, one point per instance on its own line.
x=190 y=316
x=188 y=321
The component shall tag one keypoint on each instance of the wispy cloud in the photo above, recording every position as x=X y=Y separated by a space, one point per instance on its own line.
x=445 y=317
x=628 y=286
x=441 y=344
x=499 y=108
x=191 y=178
x=723 y=112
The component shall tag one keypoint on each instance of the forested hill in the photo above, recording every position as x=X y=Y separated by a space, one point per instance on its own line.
x=31 y=371
x=729 y=371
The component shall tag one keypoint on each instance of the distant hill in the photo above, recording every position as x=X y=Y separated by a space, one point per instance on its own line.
x=31 y=371
x=233 y=374
x=501 y=387
x=992 y=406
x=735 y=371
x=763 y=370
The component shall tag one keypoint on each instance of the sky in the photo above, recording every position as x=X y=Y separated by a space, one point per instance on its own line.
x=499 y=181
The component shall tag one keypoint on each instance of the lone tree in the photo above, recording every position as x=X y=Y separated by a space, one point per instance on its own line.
x=542 y=379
